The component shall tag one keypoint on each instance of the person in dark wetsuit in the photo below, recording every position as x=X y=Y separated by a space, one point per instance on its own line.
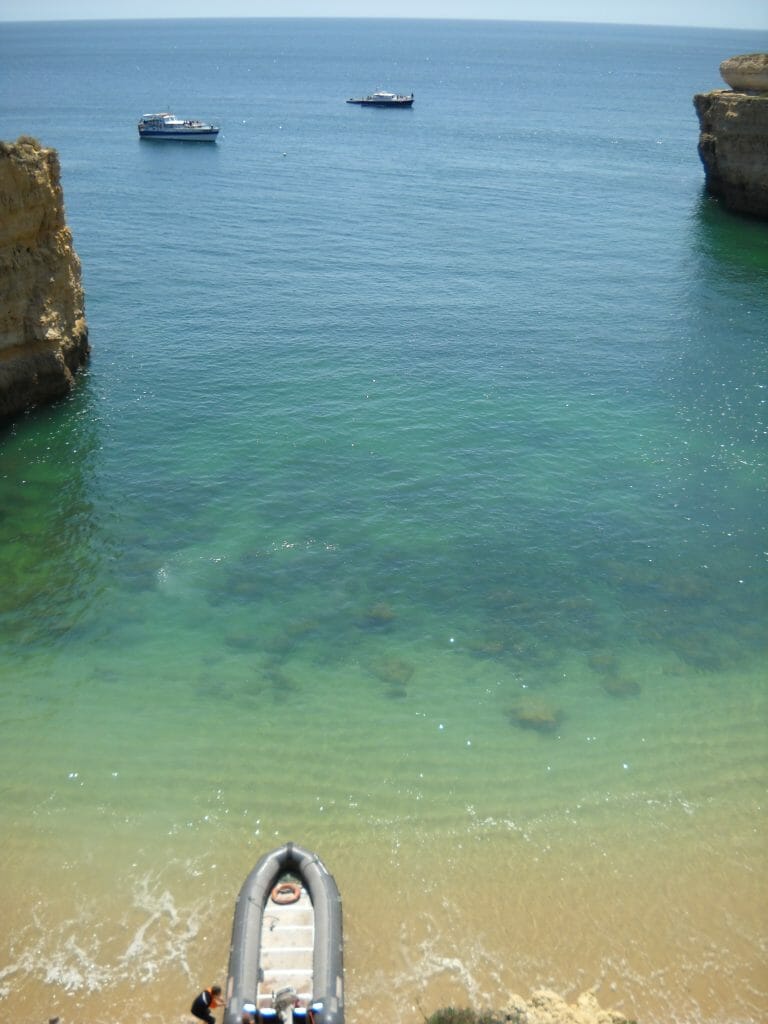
x=207 y=1000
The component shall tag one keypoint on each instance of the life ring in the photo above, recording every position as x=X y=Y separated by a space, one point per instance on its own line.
x=286 y=892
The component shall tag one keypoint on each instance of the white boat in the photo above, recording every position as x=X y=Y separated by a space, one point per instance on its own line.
x=168 y=127
x=384 y=99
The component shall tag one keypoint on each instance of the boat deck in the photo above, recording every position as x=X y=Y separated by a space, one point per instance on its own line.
x=287 y=945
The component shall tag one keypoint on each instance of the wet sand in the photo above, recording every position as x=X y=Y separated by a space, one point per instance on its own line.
x=658 y=931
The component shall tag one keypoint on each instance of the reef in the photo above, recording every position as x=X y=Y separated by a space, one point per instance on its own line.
x=43 y=332
x=620 y=686
x=535 y=714
x=378 y=616
x=733 y=138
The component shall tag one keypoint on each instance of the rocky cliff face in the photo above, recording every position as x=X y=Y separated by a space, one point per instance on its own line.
x=43 y=333
x=733 y=141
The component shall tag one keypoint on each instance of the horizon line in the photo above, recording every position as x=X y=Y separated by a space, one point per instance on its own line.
x=374 y=17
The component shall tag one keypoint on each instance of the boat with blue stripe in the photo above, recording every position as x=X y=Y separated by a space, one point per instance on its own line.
x=286 y=954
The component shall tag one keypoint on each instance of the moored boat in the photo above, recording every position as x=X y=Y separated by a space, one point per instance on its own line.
x=384 y=99
x=286 y=955
x=169 y=127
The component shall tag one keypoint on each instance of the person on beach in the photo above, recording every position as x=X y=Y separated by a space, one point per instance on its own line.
x=208 y=1000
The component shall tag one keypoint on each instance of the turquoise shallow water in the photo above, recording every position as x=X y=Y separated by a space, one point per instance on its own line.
x=412 y=506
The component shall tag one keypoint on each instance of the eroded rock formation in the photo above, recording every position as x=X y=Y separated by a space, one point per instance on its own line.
x=733 y=139
x=43 y=333
x=746 y=73
x=546 y=1007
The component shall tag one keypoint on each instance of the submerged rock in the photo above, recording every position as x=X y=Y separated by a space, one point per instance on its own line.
x=603 y=661
x=379 y=616
x=241 y=641
x=395 y=671
x=535 y=714
x=620 y=686
x=281 y=683
x=486 y=648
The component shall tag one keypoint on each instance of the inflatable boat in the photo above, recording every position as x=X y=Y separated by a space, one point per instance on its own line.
x=286 y=956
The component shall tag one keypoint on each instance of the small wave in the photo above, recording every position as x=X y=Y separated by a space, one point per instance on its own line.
x=74 y=969
x=163 y=937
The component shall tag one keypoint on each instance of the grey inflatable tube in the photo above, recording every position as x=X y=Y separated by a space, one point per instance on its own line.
x=245 y=949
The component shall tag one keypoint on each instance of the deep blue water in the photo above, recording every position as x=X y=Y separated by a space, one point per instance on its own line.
x=433 y=439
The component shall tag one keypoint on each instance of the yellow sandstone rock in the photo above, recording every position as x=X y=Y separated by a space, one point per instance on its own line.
x=746 y=73
x=43 y=333
x=733 y=139
x=547 y=1007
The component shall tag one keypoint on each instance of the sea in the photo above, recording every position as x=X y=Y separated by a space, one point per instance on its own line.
x=412 y=508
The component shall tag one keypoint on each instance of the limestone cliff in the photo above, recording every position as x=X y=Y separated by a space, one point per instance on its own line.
x=43 y=333
x=733 y=141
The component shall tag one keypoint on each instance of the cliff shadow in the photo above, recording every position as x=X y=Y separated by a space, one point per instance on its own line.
x=725 y=241
x=52 y=536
